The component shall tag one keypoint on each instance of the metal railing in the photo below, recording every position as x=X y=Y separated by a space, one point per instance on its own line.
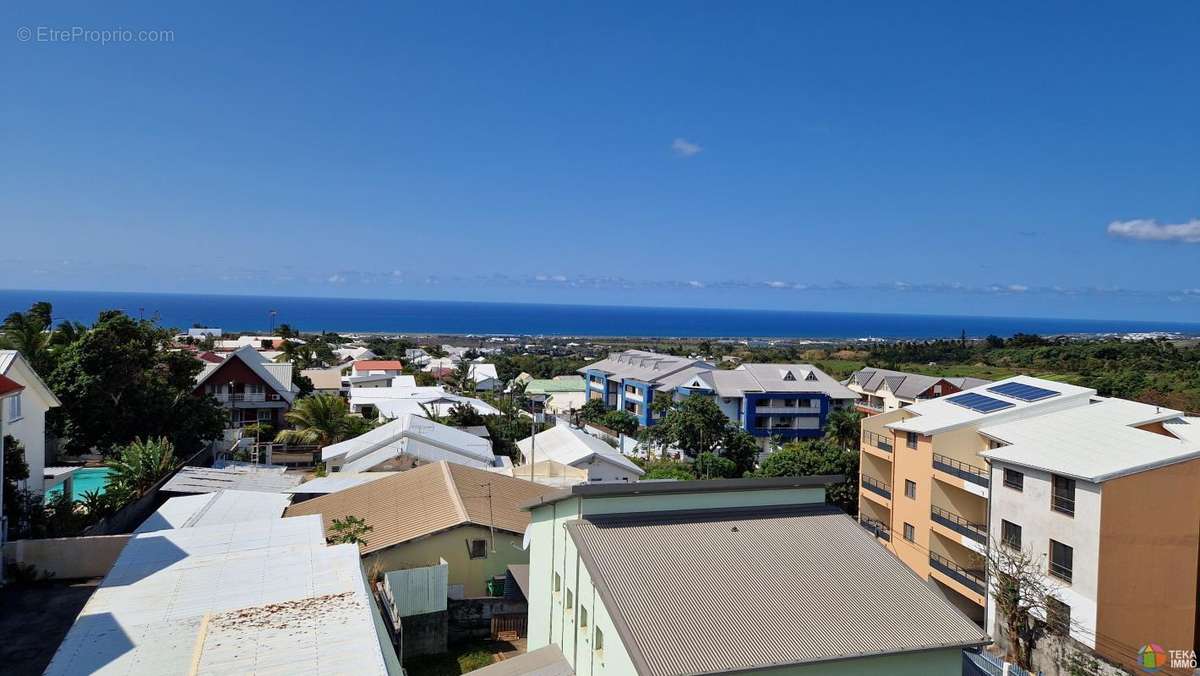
x=876 y=486
x=1060 y=571
x=877 y=440
x=1062 y=503
x=975 y=531
x=878 y=528
x=976 y=475
x=970 y=579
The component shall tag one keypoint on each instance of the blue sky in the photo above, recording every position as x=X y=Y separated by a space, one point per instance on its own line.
x=1007 y=159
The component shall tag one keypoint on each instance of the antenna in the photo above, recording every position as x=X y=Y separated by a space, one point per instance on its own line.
x=491 y=516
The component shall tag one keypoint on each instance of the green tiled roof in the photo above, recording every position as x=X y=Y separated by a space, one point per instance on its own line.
x=564 y=384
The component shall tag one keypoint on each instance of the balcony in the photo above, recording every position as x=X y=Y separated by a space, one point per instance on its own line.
x=878 y=528
x=975 y=531
x=237 y=397
x=962 y=470
x=881 y=488
x=877 y=441
x=971 y=579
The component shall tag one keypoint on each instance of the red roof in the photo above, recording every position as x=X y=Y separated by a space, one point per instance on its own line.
x=210 y=357
x=9 y=386
x=378 y=365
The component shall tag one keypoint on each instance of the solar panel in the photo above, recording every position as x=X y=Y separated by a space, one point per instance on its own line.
x=1023 y=392
x=979 y=402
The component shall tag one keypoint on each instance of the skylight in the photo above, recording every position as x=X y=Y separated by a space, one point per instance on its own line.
x=979 y=402
x=1023 y=392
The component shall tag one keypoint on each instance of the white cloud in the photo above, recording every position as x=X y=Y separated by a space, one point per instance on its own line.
x=1018 y=288
x=696 y=284
x=778 y=285
x=685 y=148
x=1150 y=229
x=336 y=279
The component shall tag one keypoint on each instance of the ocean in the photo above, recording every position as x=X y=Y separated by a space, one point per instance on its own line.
x=252 y=313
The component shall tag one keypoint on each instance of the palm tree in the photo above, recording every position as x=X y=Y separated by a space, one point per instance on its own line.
x=140 y=465
x=28 y=333
x=320 y=420
x=843 y=427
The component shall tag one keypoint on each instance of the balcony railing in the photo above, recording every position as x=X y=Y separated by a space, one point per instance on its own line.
x=971 y=579
x=1062 y=572
x=1062 y=503
x=976 y=475
x=975 y=531
x=878 y=528
x=878 y=441
x=225 y=397
x=876 y=486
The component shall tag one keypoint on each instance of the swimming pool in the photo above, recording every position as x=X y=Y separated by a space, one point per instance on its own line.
x=85 y=479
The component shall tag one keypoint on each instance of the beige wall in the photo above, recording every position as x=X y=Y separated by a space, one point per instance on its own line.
x=451 y=545
x=1149 y=561
x=68 y=558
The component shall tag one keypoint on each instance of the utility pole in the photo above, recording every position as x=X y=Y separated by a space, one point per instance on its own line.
x=491 y=515
x=272 y=313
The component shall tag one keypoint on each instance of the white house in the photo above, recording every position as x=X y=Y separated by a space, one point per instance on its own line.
x=402 y=399
x=25 y=413
x=485 y=377
x=575 y=448
x=411 y=435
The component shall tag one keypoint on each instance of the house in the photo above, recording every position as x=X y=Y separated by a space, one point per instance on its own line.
x=734 y=575
x=256 y=342
x=234 y=597
x=924 y=487
x=403 y=399
x=377 y=367
x=409 y=438
x=255 y=389
x=442 y=511
x=882 y=390
x=561 y=394
x=325 y=380
x=202 y=332
x=9 y=390
x=485 y=377
x=1105 y=497
x=349 y=353
x=24 y=414
x=416 y=356
x=769 y=401
x=573 y=447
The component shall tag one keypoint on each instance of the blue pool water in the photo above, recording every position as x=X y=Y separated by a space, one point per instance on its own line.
x=85 y=480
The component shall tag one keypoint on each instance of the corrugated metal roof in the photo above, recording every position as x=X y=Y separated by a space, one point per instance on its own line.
x=338 y=481
x=210 y=509
x=545 y=661
x=425 y=500
x=641 y=365
x=455 y=445
x=907 y=385
x=266 y=479
x=720 y=590
x=575 y=447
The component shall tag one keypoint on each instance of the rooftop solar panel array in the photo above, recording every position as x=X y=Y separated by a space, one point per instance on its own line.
x=979 y=402
x=1023 y=392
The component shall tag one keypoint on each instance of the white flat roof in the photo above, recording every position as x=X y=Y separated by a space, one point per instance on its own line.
x=938 y=415
x=1095 y=443
x=264 y=478
x=339 y=481
x=210 y=509
x=253 y=597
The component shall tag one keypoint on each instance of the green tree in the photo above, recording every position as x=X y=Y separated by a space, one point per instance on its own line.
x=321 y=420
x=667 y=469
x=592 y=410
x=815 y=458
x=140 y=465
x=462 y=376
x=29 y=333
x=16 y=470
x=351 y=530
x=120 y=381
x=709 y=466
x=621 y=422
x=843 y=427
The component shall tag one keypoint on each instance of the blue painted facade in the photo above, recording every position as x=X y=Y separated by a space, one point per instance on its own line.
x=751 y=404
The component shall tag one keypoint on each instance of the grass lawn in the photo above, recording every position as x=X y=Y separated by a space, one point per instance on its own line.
x=461 y=659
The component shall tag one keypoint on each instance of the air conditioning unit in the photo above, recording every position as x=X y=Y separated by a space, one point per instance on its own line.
x=274 y=397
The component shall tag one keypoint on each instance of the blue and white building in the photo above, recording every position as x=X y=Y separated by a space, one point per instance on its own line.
x=770 y=401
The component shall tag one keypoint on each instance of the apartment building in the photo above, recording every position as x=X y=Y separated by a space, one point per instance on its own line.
x=644 y=579
x=924 y=488
x=883 y=390
x=1105 y=496
x=787 y=401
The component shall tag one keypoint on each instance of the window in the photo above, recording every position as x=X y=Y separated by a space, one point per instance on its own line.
x=910 y=439
x=789 y=376
x=1062 y=561
x=789 y=403
x=1010 y=534
x=804 y=403
x=630 y=389
x=570 y=605
x=762 y=420
x=811 y=377
x=557 y=583
x=477 y=549
x=1014 y=479
x=598 y=643
x=910 y=489
x=1058 y=616
x=1062 y=495
x=937 y=390
x=14 y=408
x=631 y=407
x=583 y=618
x=264 y=415
x=254 y=388
x=910 y=533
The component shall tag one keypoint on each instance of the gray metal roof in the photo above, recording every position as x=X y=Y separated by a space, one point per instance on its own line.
x=663 y=487
x=641 y=365
x=265 y=479
x=546 y=661
x=730 y=590
x=906 y=385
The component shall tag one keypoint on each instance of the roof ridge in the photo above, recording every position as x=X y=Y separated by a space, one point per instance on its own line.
x=452 y=487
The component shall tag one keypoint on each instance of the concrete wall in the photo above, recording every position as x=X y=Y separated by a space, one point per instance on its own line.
x=451 y=545
x=68 y=558
x=471 y=619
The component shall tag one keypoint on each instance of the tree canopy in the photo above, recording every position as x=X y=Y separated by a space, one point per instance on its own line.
x=814 y=458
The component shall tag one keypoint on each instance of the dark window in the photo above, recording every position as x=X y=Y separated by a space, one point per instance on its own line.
x=1014 y=479
x=557 y=583
x=762 y=421
x=1062 y=561
x=1010 y=534
x=910 y=489
x=910 y=533
x=1062 y=496
x=789 y=403
x=910 y=439
x=804 y=403
x=1058 y=616
x=477 y=549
